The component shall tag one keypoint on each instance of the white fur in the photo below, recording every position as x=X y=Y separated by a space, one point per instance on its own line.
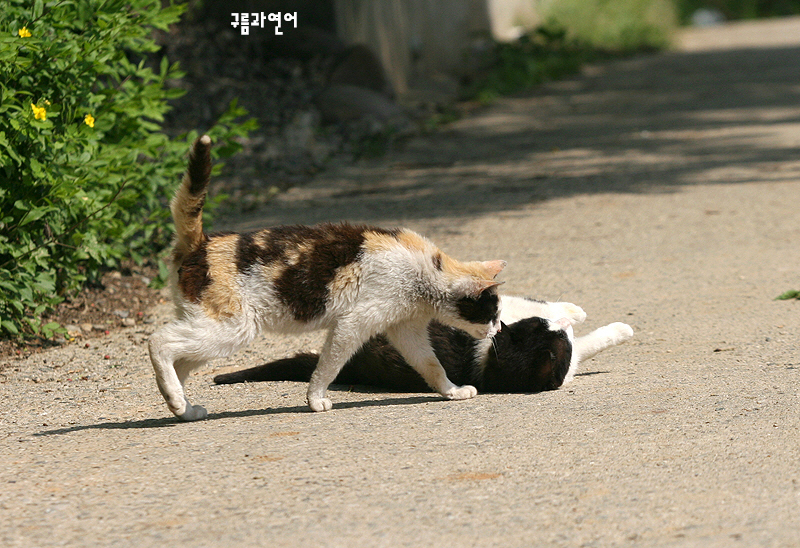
x=518 y=308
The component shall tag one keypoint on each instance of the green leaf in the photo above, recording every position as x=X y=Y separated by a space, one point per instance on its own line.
x=10 y=327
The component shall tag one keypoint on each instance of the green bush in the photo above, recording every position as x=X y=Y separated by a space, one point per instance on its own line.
x=85 y=170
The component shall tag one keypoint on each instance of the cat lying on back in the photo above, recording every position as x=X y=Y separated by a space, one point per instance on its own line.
x=535 y=350
x=354 y=281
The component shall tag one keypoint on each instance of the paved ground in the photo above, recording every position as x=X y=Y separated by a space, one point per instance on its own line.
x=660 y=191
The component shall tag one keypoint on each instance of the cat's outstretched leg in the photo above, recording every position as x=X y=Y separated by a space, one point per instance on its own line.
x=595 y=342
x=411 y=340
x=340 y=344
x=171 y=371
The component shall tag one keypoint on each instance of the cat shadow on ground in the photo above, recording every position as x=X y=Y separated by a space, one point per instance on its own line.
x=169 y=422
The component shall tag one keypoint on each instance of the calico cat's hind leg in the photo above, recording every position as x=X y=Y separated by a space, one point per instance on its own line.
x=182 y=346
x=411 y=340
x=171 y=369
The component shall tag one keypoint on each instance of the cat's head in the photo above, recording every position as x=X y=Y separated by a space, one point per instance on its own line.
x=472 y=302
x=533 y=354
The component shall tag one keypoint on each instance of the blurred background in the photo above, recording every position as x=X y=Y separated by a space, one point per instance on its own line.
x=356 y=76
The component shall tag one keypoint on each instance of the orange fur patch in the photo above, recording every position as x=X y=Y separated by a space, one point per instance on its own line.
x=471 y=269
x=222 y=299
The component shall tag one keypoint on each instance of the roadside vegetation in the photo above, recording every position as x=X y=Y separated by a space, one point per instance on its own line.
x=574 y=32
x=85 y=170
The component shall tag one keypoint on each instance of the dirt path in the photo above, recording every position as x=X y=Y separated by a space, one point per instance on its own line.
x=661 y=191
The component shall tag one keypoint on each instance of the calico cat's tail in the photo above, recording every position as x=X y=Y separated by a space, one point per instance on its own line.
x=187 y=205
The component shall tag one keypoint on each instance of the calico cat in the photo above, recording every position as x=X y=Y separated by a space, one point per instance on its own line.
x=535 y=350
x=353 y=281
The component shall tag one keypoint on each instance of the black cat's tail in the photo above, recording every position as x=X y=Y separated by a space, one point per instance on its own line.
x=187 y=205
x=296 y=368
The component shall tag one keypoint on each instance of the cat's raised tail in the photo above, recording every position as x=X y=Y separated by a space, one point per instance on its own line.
x=187 y=205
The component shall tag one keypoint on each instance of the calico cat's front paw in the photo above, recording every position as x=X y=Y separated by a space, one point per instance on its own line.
x=461 y=392
x=320 y=404
x=193 y=413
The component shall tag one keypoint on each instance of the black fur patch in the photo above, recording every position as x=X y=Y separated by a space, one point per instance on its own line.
x=437 y=262
x=317 y=252
x=193 y=273
x=527 y=357
x=482 y=310
x=199 y=169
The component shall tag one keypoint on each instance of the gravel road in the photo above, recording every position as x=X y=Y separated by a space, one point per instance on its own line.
x=661 y=191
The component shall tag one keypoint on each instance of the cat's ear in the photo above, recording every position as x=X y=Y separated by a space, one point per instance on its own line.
x=479 y=286
x=493 y=268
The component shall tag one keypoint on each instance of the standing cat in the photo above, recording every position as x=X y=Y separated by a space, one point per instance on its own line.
x=536 y=350
x=353 y=281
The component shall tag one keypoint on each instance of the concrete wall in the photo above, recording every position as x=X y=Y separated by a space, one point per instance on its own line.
x=418 y=39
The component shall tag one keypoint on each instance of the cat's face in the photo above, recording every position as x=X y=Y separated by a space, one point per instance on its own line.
x=478 y=315
x=535 y=354
x=473 y=304
x=543 y=341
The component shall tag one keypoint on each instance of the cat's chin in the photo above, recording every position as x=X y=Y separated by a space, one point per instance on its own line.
x=482 y=332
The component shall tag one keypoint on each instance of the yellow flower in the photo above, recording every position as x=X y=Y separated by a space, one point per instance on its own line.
x=89 y=120
x=24 y=32
x=40 y=113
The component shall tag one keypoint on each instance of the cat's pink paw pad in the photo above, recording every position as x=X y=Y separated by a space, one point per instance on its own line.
x=461 y=392
x=320 y=404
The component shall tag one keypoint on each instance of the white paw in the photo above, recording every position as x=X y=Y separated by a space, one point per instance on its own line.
x=461 y=392
x=573 y=312
x=319 y=404
x=619 y=332
x=193 y=413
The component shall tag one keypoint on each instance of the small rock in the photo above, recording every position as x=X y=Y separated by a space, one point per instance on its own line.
x=98 y=327
x=128 y=322
x=73 y=330
x=86 y=327
x=122 y=313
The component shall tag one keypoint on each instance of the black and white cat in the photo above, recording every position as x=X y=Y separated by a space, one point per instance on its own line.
x=352 y=281
x=535 y=350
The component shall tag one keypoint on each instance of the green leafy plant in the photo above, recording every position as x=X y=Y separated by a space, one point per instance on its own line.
x=787 y=295
x=575 y=32
x=619 y=26
x=85 y=170
x=539 y=56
